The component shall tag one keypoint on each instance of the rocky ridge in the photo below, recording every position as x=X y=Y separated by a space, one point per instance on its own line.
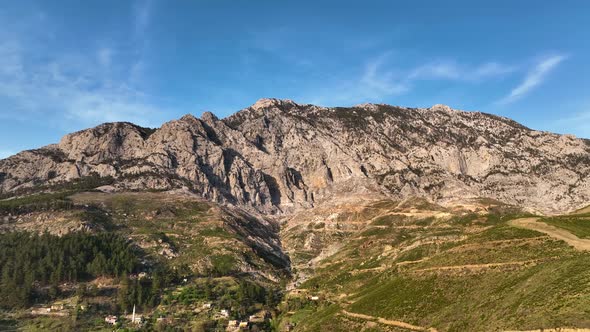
x=279 y=157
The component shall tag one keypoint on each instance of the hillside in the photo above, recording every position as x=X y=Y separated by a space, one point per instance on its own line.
x=182 y=251
x=292 y=217
x=411 y=269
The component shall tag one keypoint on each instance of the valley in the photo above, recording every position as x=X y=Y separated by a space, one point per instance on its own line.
x=289 y=217
x=370 y=264
x=470 y=271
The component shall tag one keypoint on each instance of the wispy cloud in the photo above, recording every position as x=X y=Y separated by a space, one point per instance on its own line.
x=534 y=77
x=73 y=89
x=277 y=42
x=491 y=69
x=380 y=79
x=374 y=83
x=450 y=70
x=70 y=87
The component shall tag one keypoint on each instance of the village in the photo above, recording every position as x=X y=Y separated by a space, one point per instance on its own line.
x=219 y=315
x=223 y=317
x=138 y=320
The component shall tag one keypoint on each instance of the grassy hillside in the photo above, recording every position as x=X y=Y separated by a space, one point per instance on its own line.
x=579 y=225
x=463 y=271
x=187 y=253
x=358 y=265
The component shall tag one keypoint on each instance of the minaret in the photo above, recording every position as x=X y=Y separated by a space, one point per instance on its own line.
x=133 y=316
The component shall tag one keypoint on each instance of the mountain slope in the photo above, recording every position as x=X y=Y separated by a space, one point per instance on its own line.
x=412 y=268
x=373 y=218
x=278 y=157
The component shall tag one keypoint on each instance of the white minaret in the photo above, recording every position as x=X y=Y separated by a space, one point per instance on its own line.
x=133 y=317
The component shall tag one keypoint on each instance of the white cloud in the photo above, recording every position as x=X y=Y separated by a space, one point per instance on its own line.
x=71 y=87
x=439 y=70
x=490 y=69
x=379 y=79
x=110 y=105
x=534 y=77
x=373 y=83
x=450 y=70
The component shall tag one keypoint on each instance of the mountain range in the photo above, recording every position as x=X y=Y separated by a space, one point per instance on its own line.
x=293 y=217
x=278 y=157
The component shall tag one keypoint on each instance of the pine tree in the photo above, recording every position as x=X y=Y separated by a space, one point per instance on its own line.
x=139 y=293
x=123 y=293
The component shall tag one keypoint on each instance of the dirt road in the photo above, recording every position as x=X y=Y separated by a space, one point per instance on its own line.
x=389 y=322
x=558 y=329
x=554 y=232
x=476 y=266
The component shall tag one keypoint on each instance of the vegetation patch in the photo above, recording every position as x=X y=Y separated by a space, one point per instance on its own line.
x=223 y=264
x=37 y=202
x=29 y=259
x=579 y=226
x=389 y=220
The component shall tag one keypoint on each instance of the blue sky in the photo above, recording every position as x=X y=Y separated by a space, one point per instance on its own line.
x=69 y=65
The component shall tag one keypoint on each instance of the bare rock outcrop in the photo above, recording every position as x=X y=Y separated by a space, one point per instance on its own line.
x=278 y=157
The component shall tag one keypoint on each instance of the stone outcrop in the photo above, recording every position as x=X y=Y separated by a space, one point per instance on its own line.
x=278 y=157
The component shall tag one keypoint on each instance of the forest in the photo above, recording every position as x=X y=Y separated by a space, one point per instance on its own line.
x=29 y=262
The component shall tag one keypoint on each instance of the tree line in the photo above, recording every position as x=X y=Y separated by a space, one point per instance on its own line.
x=28 y=260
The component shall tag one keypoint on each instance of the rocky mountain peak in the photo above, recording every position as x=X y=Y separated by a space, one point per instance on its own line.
x=278 y=156
x=368 y=106
x=209 y=117
x=272 y=102
x=441 y=107
x=188 y=118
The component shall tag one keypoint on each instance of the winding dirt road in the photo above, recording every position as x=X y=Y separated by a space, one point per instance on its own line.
x=558 y=329
x=389 y=322
x=554 y=232
x=476 y=266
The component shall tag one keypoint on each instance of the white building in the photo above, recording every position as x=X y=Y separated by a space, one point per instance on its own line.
x=111 y=319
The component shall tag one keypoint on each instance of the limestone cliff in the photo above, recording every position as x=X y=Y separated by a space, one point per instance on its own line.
x=278 y=156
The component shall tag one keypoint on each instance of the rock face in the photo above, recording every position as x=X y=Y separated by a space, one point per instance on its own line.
x=278 y=157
